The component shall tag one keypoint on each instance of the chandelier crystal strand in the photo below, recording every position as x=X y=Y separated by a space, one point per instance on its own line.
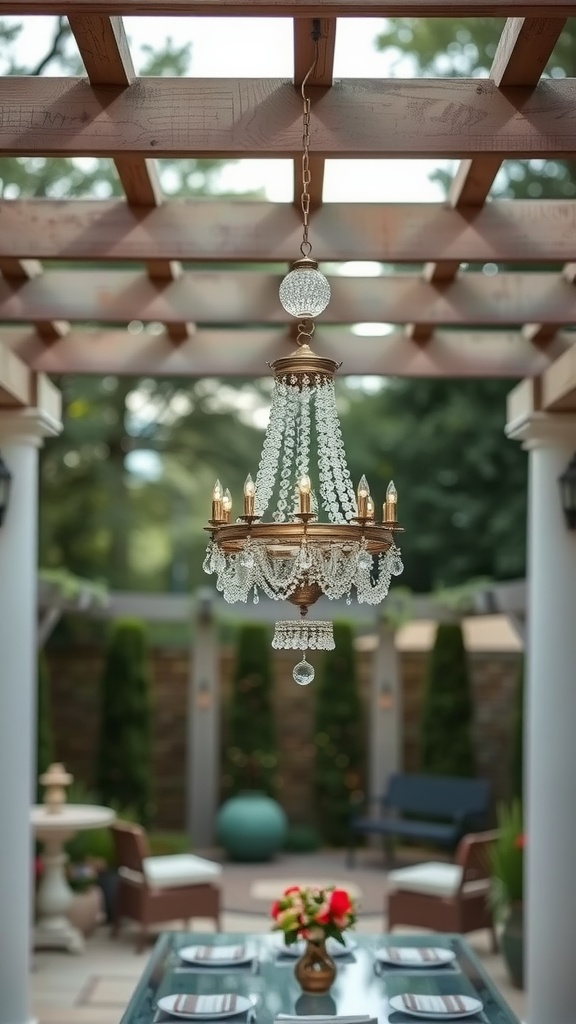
x=286 y=474
x=266 y=475
x=321 y=538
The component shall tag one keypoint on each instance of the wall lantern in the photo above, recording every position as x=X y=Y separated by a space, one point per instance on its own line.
x=5 y=483
x=567 y=481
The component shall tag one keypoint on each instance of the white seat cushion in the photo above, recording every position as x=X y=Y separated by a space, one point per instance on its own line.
x=432 y=878
x=173 y=870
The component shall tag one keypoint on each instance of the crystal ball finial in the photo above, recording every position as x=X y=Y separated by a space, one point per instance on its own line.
x=303 y=673
x=305 y=292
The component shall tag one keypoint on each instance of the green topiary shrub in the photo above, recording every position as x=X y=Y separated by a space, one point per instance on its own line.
x=446 y=741
x=339 y=731
x=44 y=730
x=517 y=759
x=250 y=755
x=123 y=770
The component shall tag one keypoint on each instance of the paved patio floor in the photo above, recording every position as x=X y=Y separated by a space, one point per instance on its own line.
x=95 y=987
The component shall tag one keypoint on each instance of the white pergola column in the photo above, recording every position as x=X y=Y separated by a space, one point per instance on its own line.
x=385 y=713
x=550 y=738
x=21 y=435
x=203 y=731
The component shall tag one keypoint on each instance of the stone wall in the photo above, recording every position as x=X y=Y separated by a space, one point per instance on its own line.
x=74 y=675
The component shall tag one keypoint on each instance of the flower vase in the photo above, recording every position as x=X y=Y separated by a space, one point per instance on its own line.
x=315 y=970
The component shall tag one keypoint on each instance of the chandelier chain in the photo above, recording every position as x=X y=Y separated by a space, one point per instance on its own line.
x=306 y=246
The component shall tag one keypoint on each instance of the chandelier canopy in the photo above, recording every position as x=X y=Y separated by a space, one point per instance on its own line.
x=304 y=531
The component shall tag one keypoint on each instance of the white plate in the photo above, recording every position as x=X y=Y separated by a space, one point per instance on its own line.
x=415 y=956
x=471 y=1007
x=333 y=947
x=217 y=956
x=213 y=1007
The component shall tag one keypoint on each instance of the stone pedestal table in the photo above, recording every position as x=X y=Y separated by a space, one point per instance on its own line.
x=53 y=929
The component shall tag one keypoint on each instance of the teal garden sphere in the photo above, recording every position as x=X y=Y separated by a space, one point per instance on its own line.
x=251 y=827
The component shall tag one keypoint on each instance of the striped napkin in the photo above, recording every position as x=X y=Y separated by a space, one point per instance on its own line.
x=319 y=1018
x=413 y=955
x=435 y=1004
x=205 y=1004
x=215 y=953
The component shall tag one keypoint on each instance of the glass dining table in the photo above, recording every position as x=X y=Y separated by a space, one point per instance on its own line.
x=364 y=984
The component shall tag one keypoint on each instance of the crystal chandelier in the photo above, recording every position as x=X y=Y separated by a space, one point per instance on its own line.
x=321 y=537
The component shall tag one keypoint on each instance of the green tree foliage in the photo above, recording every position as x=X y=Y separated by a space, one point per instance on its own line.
x=445 y=740
x=250 y=756
x=126 y=487
x=124 y=755
x=517 y=765
x=44 y=729
x=339 y=731
x=461 y=484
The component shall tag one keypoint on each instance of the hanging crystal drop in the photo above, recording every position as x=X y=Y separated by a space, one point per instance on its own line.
x=303 y=673
x=364 y=559
x=255 y=599
x=247 y=558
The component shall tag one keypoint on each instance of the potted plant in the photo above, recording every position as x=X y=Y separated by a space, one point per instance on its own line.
x=507 y=888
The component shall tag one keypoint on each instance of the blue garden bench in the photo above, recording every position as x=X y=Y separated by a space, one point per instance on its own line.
x=436 y=809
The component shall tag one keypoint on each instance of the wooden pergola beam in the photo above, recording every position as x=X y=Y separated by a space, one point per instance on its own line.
x=301 y=8
x=523 y=51
x=213 y=352
x=304 y=53
x=104 y=48
x=228 y=297
x=222 y=230
x=16 y=378
x=223 y=118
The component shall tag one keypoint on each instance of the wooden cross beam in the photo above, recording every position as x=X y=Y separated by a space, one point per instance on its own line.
x=105 y=51
x=228 y=297
x=246 y=352
x=523 y=51
x=222 y=118
x=301 y=8
x=220 y=230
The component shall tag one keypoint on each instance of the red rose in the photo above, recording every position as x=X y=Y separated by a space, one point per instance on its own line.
x=520 y=842
x=340 y=903
x=291 y=888
x=275 y=909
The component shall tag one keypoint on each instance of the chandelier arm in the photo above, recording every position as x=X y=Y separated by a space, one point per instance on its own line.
x=269 y=459
x=286 y=489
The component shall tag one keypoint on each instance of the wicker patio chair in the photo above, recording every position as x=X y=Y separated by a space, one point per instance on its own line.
x=154 y=890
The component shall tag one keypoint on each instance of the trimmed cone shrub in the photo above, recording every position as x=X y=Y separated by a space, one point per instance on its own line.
x=339 y=731
x=250 y=754
x=446 y=741
x=517 y=765
x=123 y=772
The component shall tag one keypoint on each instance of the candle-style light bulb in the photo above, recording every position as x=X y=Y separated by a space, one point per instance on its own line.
x=363 y=494
x=304 y=489
x=249 y=492
x=227 y=505
x=217 y=506
x=391 y=503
